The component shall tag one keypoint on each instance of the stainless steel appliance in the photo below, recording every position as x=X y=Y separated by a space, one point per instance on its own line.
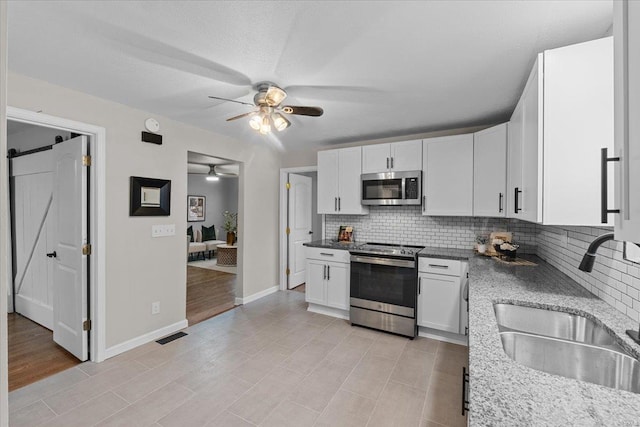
x=383 y=287
x=392 y=188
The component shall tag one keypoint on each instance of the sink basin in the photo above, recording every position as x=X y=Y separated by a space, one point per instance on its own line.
x=552 y=324
x=575 y=360
x=565 y=344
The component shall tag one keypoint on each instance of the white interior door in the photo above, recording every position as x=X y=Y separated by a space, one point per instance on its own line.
x=300 y=226
x=70 y=270
x=33 y=221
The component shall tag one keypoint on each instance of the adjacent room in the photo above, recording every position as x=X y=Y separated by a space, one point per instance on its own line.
x=212 y=214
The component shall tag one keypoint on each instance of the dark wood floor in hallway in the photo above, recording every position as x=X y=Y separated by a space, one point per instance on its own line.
x=209 y=292
x=33 y=355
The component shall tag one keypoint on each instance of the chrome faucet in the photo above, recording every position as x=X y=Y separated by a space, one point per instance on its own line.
x=589 y=258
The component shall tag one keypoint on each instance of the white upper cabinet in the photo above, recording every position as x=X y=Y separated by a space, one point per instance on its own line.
x=490 y=172
x=448 y=175
x=392 y=157
x=626 y=28
x=563 y=119
x=339 y=182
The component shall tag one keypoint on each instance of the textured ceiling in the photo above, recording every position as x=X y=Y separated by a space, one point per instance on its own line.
x=378 y=68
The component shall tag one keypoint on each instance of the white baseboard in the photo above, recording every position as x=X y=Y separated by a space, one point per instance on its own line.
x=143 y=339
x=328 y=311
x=443 y=336
x=257 y=296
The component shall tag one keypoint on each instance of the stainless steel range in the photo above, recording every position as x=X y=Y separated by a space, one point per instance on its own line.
x=384 y=287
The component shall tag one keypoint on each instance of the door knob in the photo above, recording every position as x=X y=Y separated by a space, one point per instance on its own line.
x=52 y=254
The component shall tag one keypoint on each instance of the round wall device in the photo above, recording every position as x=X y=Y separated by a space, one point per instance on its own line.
x=152 y=125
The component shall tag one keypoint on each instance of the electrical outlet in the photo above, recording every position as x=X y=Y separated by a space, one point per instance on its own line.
x=155 y=307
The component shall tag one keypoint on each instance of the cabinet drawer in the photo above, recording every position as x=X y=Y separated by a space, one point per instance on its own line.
x=448 y=267
x=332 y=255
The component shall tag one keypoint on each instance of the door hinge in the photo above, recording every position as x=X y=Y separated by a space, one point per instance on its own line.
x=288 y=230
x=86 y=249
x=288 y=185
x=86 y=325
x=288 y=272
x=86 y=160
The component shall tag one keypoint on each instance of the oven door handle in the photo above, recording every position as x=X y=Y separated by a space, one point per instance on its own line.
x=383 y=261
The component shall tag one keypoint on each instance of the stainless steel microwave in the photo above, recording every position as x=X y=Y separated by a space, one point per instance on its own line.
x=392 y=188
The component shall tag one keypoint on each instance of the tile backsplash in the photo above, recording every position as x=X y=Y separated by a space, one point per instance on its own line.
x=407 y=225
x=613 y=279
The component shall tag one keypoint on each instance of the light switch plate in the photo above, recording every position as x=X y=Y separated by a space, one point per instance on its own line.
x=163 y=230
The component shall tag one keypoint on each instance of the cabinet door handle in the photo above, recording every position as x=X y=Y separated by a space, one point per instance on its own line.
x=339 y=204
x=52 y=254
x=465 y=382
x=328 y=272
x=604 y=210
x=324 y=272
x=326 y=254
x=424 y=203
x=387 y=163
x=500 y=202
x=516 y=193
x=419 y=285
x=335 y=204
x=392 y=163
x=438 y=266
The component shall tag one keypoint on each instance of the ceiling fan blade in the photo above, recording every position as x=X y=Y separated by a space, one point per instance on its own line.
x=230 y=100
x=241 y=116
x=303 y=111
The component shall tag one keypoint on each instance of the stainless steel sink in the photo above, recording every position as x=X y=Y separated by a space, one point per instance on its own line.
x=566 y=344
x=552 y=324
x=574 y=360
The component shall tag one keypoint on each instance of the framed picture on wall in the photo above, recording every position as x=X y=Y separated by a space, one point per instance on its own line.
x=149 y=196
x=196 y=207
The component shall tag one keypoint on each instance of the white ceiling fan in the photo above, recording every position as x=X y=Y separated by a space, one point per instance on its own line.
x=270 y=113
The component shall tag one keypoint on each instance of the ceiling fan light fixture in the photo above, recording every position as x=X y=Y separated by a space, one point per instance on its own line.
x=265 y=126
x=255 y=122
x=212 y=176
x=280 y=122
x=275 y=96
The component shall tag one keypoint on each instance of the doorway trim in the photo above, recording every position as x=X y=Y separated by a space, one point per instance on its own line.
x=97 y=227
x=283 y=220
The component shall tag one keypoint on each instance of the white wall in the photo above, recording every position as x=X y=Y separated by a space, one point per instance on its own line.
x=221 y=195
x=141 y=269
x=4 y=225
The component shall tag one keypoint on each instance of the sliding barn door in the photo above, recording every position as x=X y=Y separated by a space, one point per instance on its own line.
x=70 y=270
x=34 y=224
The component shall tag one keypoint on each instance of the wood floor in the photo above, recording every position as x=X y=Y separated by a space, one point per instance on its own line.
x=300 y=288
x=33 y=355
x=209 y=292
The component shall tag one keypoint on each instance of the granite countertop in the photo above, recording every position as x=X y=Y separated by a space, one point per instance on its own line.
x=446 y=253
x=332 y=244
x=504 y=392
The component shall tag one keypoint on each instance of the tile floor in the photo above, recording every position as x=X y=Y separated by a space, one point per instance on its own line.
x=268 y=363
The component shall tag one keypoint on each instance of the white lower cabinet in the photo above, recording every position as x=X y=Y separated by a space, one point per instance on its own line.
x=440 y=287
x=327 y=281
